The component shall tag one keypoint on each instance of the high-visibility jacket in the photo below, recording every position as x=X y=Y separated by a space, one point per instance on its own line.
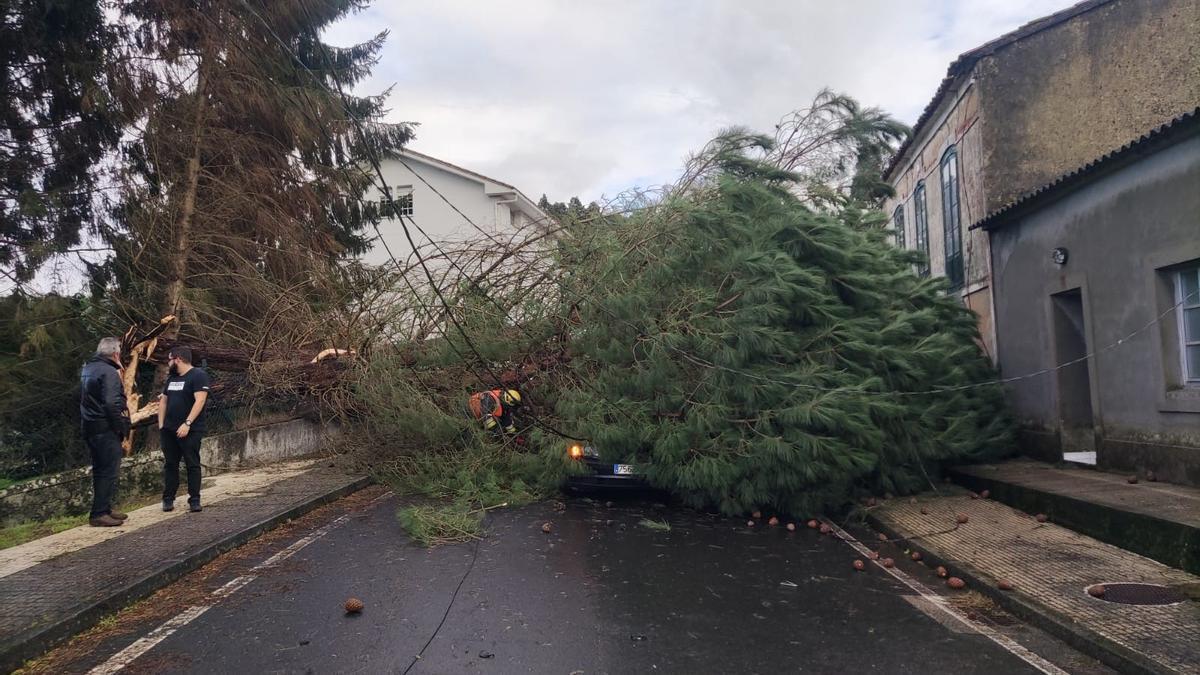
x=488 y=407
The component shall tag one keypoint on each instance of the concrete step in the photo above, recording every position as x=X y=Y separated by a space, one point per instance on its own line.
x=1158 y=520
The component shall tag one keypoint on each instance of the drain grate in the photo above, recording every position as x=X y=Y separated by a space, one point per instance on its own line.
x=1137 y=594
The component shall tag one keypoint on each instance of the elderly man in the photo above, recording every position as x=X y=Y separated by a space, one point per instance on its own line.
x=105 y=421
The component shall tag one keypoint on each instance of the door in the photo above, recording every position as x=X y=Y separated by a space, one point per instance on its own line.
x=1074 y=385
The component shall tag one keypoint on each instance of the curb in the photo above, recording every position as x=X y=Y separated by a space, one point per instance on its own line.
x=34 y=643
x=1036 y=613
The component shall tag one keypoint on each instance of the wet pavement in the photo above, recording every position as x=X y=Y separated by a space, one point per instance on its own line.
x=603 y=592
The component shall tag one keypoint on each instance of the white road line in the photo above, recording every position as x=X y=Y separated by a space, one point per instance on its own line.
x=126 y=656
x=940 y=602
x=141 y=646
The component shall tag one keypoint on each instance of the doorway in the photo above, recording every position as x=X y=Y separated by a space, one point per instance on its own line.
x=1075 y=423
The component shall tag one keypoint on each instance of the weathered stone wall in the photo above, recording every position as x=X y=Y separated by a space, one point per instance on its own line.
x=1060 y=98
x=960 y=128
x=141 y=475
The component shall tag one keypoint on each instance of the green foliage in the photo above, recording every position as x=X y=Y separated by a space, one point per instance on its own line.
x=58 y=116
x=656 y=525
x=43 y=342
x=430 y=525
x=412 y=431
x=751 y=352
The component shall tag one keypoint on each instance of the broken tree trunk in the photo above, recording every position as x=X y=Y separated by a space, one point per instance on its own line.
x=135 y=348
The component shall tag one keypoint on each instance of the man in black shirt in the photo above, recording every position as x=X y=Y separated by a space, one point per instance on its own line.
x=105 y=423
x=181 y=424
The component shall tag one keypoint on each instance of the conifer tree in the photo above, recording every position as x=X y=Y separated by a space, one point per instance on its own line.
x=59 y=113
x=750 y=351
x=243 y=186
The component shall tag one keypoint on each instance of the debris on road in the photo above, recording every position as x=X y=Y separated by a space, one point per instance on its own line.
x=956 y=583
x=1041 y=517
x=1004 y=585
x=791 y=527
x=773 y=521
x=546 y=527
x=860 y=565
x=961 y=518
x=353 y=606
x=888 y=563
x=942 y=572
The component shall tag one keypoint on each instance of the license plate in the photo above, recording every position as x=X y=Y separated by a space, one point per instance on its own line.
x=623 y=469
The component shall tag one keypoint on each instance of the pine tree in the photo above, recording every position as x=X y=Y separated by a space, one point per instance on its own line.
x=243 y=187
x=750 y=351
x=59 y=114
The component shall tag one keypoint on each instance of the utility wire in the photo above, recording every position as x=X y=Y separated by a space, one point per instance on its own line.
x=387 y=192
x=449 y=313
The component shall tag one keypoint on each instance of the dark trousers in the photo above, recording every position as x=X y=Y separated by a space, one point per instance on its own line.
x=174 y=449
x=106 y=452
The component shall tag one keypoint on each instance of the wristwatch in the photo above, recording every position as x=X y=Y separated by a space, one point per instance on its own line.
x=187 y=423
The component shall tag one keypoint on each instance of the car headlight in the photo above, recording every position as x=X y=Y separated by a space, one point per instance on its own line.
x=579 y=451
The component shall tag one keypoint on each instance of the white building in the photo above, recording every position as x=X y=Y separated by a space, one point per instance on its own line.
x=430 y=190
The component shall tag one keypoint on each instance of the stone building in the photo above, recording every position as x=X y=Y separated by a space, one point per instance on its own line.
x=1097 y=285
x=1029 y=106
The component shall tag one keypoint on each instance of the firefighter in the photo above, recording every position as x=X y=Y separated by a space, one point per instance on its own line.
x=495 y=409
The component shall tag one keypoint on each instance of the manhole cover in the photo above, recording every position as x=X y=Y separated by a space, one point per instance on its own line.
x=1136 y=594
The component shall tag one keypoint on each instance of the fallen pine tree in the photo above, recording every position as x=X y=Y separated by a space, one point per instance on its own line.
x=750 y=351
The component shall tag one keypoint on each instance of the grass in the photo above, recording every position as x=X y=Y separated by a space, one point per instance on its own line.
x=658 y=525
x=22 y=533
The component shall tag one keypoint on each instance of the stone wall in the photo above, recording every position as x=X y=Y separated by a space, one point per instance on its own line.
x=141 y=475
x=1062 y=97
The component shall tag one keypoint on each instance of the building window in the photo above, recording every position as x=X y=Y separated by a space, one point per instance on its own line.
x=898 y=225
x=922 y=218
x=951 y=225
x=1187 y=299
x=400 y=206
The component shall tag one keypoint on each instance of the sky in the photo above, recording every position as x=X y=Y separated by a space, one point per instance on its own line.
x=569 y=98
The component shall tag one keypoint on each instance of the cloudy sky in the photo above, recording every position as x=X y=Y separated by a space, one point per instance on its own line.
x=567 y=98
x=571 y=98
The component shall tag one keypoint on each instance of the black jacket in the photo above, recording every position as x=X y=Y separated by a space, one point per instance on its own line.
x=102 y=398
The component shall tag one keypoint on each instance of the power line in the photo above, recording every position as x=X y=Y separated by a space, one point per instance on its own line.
x=374 y=160
x=450 y=314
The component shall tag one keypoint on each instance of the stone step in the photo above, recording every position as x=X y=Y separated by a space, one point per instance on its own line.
x=1158 y=520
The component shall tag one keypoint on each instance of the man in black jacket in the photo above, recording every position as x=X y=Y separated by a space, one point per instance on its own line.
x=105 y=421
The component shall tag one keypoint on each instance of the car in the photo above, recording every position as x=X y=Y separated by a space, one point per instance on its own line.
x=602 y=475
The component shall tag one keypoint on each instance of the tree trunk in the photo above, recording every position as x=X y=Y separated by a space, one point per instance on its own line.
x=177 y=257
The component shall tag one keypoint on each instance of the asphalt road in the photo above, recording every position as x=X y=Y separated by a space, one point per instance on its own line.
x=602 y=593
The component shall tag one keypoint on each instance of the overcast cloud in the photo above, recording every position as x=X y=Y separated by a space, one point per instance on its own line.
x=573 y=98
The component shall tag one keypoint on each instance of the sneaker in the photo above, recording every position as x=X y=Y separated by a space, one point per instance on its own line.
x=118 y=515
x=105 y=520
x=195 y=507
x=168 y=506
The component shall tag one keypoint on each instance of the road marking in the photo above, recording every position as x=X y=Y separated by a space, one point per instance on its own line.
x=939 y=601
x=141 y=646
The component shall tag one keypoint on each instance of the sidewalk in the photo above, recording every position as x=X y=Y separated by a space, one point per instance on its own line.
x=1051 y=567
x=1157 y=520
x=58 y=585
